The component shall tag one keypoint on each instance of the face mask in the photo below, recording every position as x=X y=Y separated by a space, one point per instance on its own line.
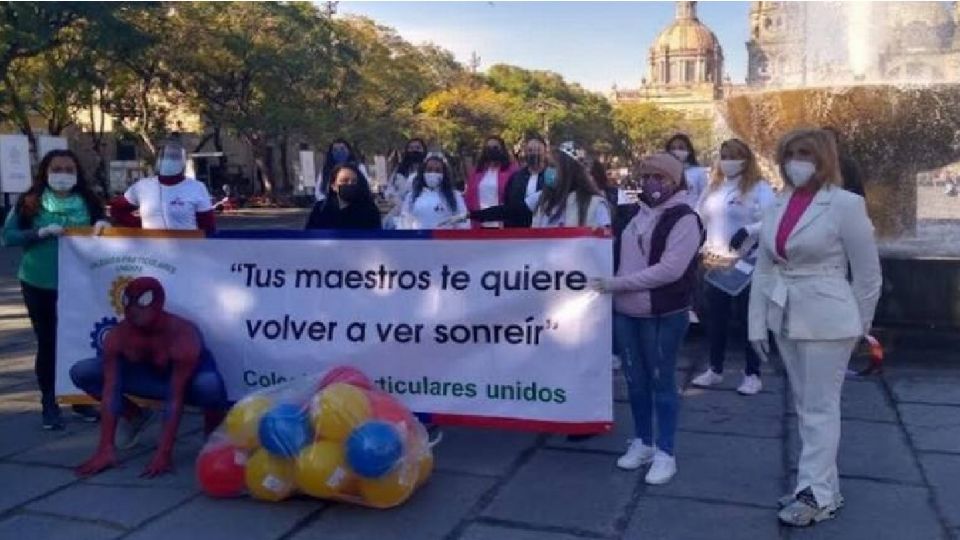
x=682 y=155
x=340 y=155
x=170 y=167
x=61 y=181
x=799 y=172
x=655 y=191
x=494 y=154
x=731 y=167
x=550 y=177
x=349 y=192
x=533 y=160
x=432 y=179
x=414 y=156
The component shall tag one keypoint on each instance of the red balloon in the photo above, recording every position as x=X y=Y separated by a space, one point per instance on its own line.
x=385 y=407
x=346 y=374
x=220 y=470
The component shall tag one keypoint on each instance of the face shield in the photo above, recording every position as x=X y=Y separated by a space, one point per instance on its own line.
x=171 y=160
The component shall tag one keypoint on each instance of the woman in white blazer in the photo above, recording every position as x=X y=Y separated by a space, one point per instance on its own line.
x=803 y=296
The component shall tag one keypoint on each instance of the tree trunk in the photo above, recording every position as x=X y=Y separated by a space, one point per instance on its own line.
x=284 y=165
x=259 y=147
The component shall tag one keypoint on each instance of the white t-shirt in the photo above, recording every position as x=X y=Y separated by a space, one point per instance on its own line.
x=488 y=193
x=725 y=211
x=429 y=210
x=532 y=184
x=697 y=180
x=598 y=214
x=169 y=207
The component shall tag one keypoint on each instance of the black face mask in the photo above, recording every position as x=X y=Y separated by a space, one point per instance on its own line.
x=349 y=193
x=494 y=154
x=414 y=156
x=534 y=160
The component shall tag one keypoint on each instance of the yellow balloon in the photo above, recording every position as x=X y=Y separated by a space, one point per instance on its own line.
x=390 y=489
x=321 y=471
x=243 y=420
x=269 y=478
x=337 y=410
x=424 y=468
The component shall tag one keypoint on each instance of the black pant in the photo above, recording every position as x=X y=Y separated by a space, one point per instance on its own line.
x=42 y=309
x=719 y=307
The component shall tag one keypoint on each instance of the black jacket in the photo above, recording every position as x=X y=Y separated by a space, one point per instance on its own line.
x=514 y=211
x=850 y=172
x=327 y=214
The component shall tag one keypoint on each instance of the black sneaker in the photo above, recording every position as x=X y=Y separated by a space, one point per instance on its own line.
x=52 y=419
x=86 y=413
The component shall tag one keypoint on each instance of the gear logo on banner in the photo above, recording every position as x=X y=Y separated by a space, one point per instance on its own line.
x=116 y=293
x=100 y=331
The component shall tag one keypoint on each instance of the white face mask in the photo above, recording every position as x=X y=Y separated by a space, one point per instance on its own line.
x=432 y=179
x=731 y=167
x=61 y=181
x=170 y=167
x=682 y=155
x=799 y=172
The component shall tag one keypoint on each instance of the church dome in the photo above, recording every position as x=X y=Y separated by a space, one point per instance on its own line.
x=686 y=52
x=686 y=34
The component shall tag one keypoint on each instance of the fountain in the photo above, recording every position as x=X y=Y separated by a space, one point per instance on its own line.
x=894 y=129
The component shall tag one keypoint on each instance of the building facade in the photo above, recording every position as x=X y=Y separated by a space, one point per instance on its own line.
x=685 y=67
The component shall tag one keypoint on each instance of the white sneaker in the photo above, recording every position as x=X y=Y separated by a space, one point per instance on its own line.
x=707 y=378
x=751 y=385
x=638 y=454
x=663 y=468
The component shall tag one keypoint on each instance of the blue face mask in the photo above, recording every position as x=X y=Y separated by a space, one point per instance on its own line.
x=549 y=177
x=340 y=155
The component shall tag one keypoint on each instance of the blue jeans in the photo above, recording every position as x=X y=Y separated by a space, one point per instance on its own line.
x=205 y=390
x=648 y=348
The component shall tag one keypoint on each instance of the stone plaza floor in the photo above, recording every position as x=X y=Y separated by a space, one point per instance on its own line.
x=899 y=465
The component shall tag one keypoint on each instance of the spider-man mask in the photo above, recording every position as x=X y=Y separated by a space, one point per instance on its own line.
x=143 y=301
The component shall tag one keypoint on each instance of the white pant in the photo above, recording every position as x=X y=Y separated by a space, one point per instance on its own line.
x=816 y=370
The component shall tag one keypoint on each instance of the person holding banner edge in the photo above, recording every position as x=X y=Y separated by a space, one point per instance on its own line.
x=653 y=292
x=59 y=198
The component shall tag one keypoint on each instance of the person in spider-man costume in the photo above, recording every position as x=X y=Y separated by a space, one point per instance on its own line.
x=151 y=354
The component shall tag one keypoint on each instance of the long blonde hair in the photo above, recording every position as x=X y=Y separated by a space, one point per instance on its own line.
x=825 y=153
x=749 y=176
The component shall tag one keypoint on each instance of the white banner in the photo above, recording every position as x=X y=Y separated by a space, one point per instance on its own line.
x=308 y=169
x=46 y=143
x=461 y=326
x=14 y=163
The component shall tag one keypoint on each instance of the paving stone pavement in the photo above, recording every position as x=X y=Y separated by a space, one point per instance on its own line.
x=899 y=464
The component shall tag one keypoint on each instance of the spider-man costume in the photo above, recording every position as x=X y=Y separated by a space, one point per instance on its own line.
x=151 y=354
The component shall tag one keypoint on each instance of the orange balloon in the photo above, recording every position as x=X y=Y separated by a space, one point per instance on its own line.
x=424 y=468
x=243 y=420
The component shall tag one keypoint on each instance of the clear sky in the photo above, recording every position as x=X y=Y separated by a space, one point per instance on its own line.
x=595 y=44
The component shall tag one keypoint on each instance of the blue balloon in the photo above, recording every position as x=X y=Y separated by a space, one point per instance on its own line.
x=284 y=430
x=373 y=449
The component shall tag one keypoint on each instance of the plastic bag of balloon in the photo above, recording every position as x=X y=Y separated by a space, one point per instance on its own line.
x=333 y=436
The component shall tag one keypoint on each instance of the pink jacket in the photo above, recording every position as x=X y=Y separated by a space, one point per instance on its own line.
x=635 y=277
x=471 y=195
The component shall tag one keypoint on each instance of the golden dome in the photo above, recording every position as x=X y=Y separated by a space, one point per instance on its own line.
x=686 y=34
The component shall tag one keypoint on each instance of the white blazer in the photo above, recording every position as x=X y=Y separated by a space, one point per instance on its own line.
x=808 y=296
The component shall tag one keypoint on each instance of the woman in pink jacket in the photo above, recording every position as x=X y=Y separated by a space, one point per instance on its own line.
x=488 y=182
x=653 y=292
